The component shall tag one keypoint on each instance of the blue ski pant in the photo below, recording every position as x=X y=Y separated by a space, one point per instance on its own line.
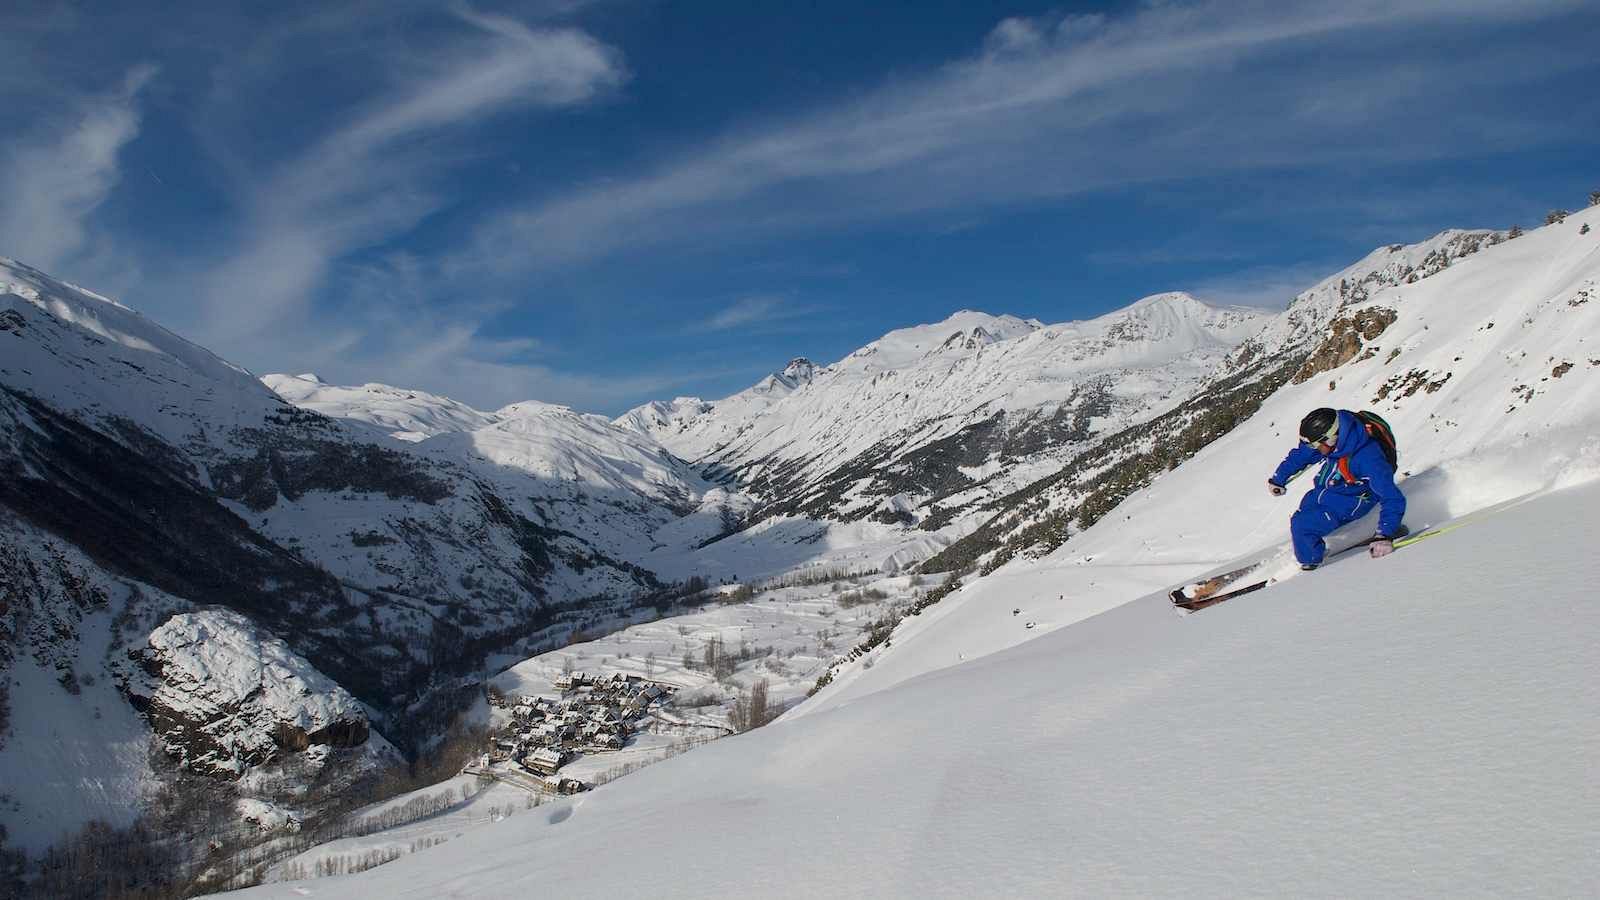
x=1321 y=513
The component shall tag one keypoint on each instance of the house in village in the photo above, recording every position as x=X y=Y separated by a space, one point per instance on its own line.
x=545 y=760
x=562 y=785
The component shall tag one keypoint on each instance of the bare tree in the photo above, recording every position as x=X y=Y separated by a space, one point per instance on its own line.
x=753 y=709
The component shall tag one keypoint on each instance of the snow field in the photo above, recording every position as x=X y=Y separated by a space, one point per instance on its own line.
x=472 y=805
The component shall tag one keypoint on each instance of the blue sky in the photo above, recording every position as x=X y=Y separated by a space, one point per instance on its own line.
x=600 y=203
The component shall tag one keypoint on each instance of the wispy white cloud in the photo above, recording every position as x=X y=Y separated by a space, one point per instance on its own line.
x=746 y=311
x=456 y=355
x=763 y=314
x=372 y=179
x=54 y=179
x=1051 y=107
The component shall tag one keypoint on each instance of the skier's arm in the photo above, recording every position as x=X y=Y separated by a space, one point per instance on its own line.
x=1380 y=478
x=1301 y=456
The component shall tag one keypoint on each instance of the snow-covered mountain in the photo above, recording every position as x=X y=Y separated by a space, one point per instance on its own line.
x=388 y=545
x=693 y=427
x=922 y=423
x=1418 y=725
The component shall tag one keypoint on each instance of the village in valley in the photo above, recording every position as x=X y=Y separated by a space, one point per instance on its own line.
x=595 y=714
x=567 y=720
x=574 y=718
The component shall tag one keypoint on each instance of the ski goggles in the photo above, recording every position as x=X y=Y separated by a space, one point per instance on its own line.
x=1330 y=438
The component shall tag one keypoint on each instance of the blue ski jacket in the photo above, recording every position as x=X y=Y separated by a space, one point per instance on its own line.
x=1374 y=476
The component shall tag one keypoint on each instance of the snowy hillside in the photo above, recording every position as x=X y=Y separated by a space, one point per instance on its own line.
x=89 y=674
x=405 y=414
x=1431 y=735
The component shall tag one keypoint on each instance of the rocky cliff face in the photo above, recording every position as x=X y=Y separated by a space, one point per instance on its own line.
x=223 y=697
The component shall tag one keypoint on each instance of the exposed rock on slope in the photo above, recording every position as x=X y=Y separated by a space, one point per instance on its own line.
x=223 y=697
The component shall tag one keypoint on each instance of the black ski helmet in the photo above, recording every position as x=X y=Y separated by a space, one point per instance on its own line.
x=1317 y=423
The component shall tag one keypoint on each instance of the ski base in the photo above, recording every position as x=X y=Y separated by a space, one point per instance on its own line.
x=1198 y=603
x=1205 y=593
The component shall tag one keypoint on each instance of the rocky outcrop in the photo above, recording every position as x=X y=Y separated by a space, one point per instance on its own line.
x=223 y=696
x=1345 y=340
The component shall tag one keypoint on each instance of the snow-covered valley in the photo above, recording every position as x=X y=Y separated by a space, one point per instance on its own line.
x=945 y=556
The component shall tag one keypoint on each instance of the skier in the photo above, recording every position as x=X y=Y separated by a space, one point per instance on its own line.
x=1355 y=474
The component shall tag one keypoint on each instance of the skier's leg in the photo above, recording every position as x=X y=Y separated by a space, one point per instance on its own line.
x=1308 y=526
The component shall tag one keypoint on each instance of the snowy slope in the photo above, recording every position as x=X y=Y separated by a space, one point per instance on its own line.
x=1432 y=737
x=1489 y=373
x=81 y=649
x=406 y=414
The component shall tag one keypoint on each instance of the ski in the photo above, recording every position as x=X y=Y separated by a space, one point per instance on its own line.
x=1199 y=603
x=1205 y=594
x=1202 y=590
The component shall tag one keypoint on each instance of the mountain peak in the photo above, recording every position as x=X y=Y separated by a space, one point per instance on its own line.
x=1178 y=315
x=799 y=371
